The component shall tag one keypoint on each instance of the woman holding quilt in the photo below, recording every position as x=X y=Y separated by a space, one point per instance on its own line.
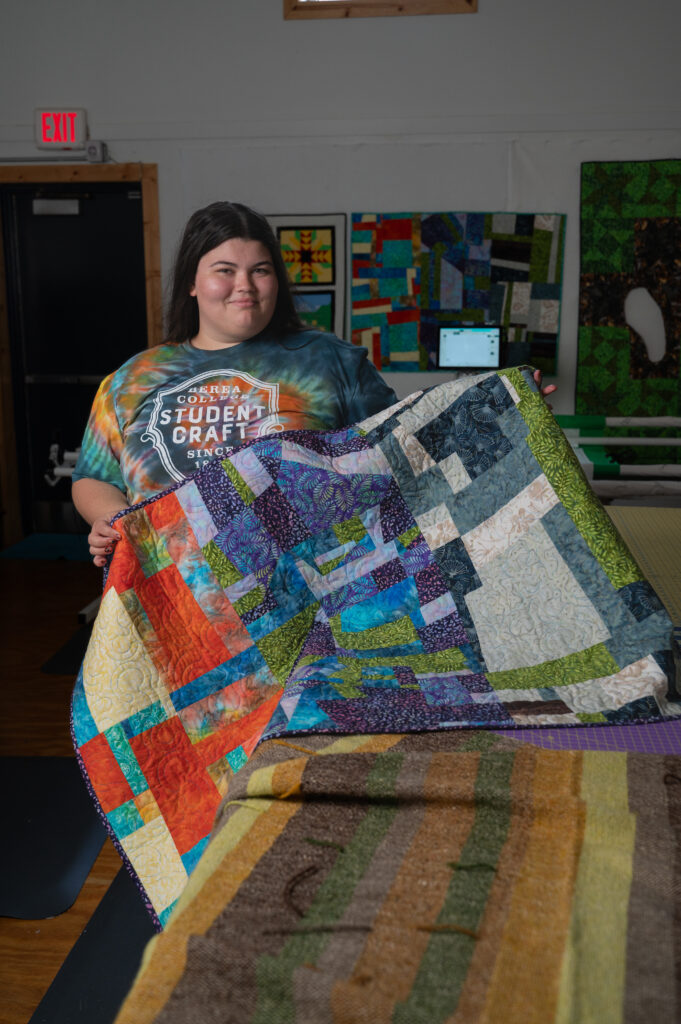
x=238 y=364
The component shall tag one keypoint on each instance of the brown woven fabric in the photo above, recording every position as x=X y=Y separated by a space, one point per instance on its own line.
x=426 y=878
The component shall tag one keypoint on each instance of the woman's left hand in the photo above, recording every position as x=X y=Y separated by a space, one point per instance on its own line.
x=548 y=390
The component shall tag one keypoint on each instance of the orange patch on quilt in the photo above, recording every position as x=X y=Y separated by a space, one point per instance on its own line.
x=178 y=781
x=164 y=514
x=227 y=623
x=125 y=571
x=109 y=782
x=170 y=522
x=245 y=732
x=187 y=637
x=220 y=710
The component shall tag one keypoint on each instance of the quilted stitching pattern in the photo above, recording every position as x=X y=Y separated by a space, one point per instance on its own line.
x=441 y=565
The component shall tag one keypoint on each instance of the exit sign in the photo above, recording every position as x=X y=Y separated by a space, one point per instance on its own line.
x=61 y=128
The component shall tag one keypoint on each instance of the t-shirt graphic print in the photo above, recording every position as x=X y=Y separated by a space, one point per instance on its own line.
x=207 y=416
x=168 y=410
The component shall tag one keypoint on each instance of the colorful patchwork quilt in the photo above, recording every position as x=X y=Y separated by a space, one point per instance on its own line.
x=441 y=565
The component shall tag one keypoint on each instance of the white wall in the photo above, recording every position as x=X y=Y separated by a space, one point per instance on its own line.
x=491 y=111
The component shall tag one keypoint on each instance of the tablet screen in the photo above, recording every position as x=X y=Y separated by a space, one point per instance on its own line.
x=462 y=348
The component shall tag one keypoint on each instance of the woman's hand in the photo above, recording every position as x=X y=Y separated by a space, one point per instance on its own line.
x=102 y=540
x=548 y=390
x=98 y=503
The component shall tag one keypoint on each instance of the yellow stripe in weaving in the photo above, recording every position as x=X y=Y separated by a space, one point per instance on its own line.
x=593 y=977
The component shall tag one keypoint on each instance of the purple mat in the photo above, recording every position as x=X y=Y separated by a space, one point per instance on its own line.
x=651 y=738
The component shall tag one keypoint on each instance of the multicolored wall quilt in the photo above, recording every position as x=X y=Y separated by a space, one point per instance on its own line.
x=630 y=239
x=415 y=272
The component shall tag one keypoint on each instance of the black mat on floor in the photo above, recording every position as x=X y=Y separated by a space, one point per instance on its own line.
x=71 y=547
x=68 y=659
x=101 y=967
x=51 y=835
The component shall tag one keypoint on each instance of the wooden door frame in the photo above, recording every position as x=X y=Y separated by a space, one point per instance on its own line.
x=49 y=174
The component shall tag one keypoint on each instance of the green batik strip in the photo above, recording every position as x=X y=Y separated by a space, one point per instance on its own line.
x=224 y=571
x=244 y=491
x=390 y=634
x=250 y=600
x=349 y=529
x=593 y=663
x=275 y=974
x=409 y=535
x=446 y=962
x=561 y=468
x=281 y=647
x=326 y=567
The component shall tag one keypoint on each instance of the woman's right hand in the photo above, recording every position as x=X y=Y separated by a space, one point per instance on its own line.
x=102 y=540
x=98 y=503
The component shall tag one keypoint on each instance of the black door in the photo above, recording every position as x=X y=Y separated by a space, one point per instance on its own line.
x=74 y=258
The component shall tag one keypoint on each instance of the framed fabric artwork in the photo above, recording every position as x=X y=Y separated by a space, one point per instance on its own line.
x=315 y=308
x=313 y=249
x=415 y=274
x=630 y=245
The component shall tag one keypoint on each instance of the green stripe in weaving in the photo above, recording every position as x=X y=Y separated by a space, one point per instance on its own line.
x=274 y=974
x=561 y=467
x=593 y=663
x=596 y=949
x=446 y=961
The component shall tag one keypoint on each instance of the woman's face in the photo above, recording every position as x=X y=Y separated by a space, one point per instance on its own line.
x=236 y=290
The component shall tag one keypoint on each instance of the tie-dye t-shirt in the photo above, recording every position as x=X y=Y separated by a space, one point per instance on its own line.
x=168 y=410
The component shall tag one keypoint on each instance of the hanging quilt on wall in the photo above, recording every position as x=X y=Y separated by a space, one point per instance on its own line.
x=630 y=244
x=413 y=273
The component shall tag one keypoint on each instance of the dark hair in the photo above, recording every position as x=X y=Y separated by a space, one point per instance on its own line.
x=205 y=230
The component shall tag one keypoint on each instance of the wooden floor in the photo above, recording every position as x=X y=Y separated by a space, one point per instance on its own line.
x=40 y=602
